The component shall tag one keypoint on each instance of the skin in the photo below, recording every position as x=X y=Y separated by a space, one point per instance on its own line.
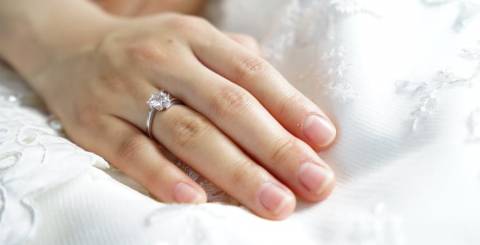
x=242 y=125
x=148 y=7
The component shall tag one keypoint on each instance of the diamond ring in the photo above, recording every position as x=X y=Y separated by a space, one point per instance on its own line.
x=158 y=101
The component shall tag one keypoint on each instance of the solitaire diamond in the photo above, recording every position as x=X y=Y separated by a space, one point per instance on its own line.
x=160 y=100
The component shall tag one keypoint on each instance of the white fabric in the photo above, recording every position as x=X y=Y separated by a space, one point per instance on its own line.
x=399 y=78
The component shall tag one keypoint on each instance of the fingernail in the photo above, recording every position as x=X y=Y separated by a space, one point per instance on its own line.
x=274 y=198
x=314 y=177
x=319 y=130
x=184 y=193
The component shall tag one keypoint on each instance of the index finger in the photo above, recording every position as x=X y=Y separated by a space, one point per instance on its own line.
x=292 y=109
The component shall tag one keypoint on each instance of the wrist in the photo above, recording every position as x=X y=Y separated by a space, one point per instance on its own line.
x=35 y=34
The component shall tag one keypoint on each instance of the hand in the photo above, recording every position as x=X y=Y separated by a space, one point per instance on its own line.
x=242 y=125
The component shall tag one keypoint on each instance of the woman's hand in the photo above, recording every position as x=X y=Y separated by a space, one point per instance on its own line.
x=242 y=125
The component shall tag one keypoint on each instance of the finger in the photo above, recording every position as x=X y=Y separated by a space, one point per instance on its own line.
x=128 y=149
x=192 y=138
x=291 y=108
x=246 y=41
x=189 y=136
x=237 y=113
x=240 y=116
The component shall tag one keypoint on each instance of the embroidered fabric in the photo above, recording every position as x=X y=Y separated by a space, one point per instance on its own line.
x=32 y=160
x=379 y=68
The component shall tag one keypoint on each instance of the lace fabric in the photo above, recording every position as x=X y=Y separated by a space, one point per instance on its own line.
x=399 y=78
x=32 y=157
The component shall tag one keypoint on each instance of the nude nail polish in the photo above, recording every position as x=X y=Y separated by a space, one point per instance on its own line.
x=184 y=193
x=274 y=198
x=319 y=130
x=314 y=177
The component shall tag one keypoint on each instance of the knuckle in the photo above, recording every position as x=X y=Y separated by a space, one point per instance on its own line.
x=111 y=83
x=187 y=129
x=294 y=100
x=87 y=115
x=146 y=51
x=250 y=66
x=243 y=171
x=106 y=44
x=131 y=147
x=283 y=149
x=110 y=50
x=154 y=178
x=230 y=101
x=150 y=178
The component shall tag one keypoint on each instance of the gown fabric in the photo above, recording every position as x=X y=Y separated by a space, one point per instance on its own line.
x=400 y=79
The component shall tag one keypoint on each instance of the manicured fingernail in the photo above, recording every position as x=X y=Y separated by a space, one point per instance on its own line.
x=274 y=198
x=314 y=177
x=184 y=193
x=319 y=130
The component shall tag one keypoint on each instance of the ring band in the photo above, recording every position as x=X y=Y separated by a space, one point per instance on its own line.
x=158 y=101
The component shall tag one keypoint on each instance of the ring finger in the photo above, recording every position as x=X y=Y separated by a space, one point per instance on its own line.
x=198 y=143
x=240 y=116
x=192 y=138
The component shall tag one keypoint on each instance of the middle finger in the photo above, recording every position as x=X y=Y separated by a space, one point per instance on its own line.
x=239 y=115
x=193 y=139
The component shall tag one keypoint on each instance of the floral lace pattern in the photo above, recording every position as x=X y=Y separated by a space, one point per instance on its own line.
x=378 y=227
x=29 y=164
x=311 y=25
x=351 y=7
x=467 y=9
x=427 y=93
x=337 y=83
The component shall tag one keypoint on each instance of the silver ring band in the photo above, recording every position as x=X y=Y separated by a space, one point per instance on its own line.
x=158 y=101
